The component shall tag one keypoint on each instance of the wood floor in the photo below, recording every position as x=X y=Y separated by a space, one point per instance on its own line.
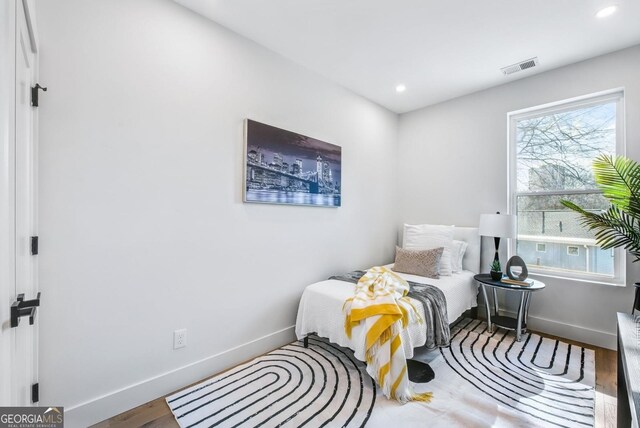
x=156 y=413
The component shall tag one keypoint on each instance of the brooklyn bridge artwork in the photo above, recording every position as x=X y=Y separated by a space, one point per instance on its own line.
x=283 y=167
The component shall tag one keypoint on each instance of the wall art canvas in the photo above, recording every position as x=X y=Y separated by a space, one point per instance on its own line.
x=283 y=167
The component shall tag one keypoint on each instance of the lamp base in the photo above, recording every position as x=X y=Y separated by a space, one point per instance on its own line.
x=496 y=240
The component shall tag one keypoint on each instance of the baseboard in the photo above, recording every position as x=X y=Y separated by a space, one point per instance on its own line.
x=113 y=403
x=578 y=333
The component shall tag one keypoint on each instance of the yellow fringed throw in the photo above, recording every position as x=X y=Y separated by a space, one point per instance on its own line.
x=381 y=303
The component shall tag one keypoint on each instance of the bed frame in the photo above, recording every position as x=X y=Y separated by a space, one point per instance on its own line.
x=469 y=313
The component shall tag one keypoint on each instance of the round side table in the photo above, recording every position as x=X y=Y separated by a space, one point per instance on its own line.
x=518 y=324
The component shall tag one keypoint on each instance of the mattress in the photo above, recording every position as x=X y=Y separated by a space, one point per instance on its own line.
x=320 y=309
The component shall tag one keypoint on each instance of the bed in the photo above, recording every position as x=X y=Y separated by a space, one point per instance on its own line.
x=320 y=309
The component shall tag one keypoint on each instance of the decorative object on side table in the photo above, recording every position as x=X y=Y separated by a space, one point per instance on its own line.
x=524 y=283
x=516 y=261
x=496 y=270
x=499 y=226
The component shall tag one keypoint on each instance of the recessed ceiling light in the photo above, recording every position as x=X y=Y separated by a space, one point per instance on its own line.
x=607 y=11
x=401 y=88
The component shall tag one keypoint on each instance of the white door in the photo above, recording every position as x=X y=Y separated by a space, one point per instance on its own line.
x=7 y=191
x=25 y=368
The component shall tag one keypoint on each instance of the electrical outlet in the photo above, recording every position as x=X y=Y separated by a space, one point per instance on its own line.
x=180 y=338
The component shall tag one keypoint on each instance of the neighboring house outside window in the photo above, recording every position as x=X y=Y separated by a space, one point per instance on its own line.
x=552 y=148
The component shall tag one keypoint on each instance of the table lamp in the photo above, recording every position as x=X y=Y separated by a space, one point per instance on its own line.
x=499 y=226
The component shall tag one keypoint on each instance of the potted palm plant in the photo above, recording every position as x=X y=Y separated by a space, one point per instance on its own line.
x=619 y=226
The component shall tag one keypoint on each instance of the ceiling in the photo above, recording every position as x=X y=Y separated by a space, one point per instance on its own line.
x=438 y=49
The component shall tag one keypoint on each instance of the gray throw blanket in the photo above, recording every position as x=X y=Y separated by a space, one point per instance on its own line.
x=435 y=308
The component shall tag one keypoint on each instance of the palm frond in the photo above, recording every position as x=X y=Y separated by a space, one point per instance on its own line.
x=613 y=228
x=619 y=180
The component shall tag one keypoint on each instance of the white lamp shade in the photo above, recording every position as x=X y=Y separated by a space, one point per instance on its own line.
x=498 y=225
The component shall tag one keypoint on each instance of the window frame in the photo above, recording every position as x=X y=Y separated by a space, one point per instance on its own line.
x=616 y=95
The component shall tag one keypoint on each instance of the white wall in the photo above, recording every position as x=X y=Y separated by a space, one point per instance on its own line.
x=143 y=229
x=453 y=167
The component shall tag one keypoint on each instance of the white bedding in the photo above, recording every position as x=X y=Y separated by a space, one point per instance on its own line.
x=320 y=309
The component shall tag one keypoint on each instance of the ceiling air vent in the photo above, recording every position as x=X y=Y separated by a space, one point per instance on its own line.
x=523 y=65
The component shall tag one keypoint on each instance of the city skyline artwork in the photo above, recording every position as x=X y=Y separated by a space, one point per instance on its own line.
x=284 y=167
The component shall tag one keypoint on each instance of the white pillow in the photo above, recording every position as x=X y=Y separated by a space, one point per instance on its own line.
x=457 y=254
x=427 y=237
x=471 y=257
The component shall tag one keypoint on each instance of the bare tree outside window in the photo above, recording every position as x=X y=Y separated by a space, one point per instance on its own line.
x=554 y=154
x=555 y=151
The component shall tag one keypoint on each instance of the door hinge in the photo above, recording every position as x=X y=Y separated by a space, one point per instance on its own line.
x=35 y=392
x=34 y=94
x=34 y=245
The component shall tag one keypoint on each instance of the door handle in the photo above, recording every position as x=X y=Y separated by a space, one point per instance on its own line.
x=22 y=308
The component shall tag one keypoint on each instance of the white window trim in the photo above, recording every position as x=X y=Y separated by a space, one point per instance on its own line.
x=617 y=95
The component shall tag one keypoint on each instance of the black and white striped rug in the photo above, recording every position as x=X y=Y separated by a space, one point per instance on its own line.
x=292 y=386
x=483 y=379
x=541 y=381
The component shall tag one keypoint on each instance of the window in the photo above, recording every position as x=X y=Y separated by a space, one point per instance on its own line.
x=572 y=250
x=552 y=148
